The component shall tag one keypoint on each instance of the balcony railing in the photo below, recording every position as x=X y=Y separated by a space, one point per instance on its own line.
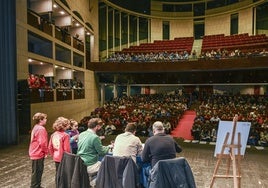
x=51 y=95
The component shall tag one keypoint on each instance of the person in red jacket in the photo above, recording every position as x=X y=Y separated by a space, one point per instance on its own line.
x=38 y=149
x=59 y=141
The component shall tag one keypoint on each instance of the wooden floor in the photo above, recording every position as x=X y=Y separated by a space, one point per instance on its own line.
x=15 y=167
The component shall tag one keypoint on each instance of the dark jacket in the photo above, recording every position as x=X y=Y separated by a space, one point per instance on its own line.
x=117 y=172
x=72 y=173
x=159 y=147
x=172 y=173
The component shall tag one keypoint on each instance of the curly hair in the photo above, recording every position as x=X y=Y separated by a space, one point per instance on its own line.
x=61 y=123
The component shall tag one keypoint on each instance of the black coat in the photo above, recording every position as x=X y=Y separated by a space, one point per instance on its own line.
x=72 y=173
x=117 y=172
x=159 y=147
x=172 y=173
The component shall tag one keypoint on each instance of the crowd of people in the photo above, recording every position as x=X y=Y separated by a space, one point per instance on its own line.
x=249 y=108
x=143 y=110
x=41 y=82
x=69 y=84
x=142 y=115
x=37 y=81
x=165 y=56
x=226 y=54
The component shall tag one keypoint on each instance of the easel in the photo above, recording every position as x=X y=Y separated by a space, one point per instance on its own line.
x=235 y=158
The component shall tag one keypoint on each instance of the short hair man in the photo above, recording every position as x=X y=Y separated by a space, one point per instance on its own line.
x=127 y=144
x=160 y=146
x=90 y=146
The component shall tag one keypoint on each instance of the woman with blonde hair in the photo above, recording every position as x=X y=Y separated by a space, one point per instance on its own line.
x=59 y=141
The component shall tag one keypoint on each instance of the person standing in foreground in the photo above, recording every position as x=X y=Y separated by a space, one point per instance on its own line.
x=59 y=141
x=127 y=144
x=160 y=146
x=90 y=146
x=73 y=133
x=38 y=148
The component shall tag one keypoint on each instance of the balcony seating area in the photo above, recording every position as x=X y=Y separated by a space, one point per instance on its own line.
x=244 y=42
x=213 y=47
x=170 y=46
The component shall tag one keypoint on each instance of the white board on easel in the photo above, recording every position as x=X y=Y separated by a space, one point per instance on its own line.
x=227 y=126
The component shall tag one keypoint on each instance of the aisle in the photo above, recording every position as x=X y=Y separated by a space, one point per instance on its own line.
x=183 y=129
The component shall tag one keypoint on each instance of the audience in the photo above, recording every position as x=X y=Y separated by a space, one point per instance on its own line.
x=184 y=55
x=145 y=109
x=249 y=108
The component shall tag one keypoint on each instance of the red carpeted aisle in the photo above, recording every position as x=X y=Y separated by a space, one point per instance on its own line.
x=183 y=129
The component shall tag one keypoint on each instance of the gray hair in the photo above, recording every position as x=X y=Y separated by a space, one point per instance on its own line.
x=158 y=126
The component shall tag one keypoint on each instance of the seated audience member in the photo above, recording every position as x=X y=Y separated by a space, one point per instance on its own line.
x=205 y=135
x=264 y=138
x=167 y=126
x=253 y=138
x=82 y=126
x=127 y=144
x=160 y=146
x=90 y=147
x=110 y=128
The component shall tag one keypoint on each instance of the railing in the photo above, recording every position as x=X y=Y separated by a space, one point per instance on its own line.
x=38 y=95
x=79 y=93
x=38 y=22
x=78 y=44
x=63 y=94
x=62 y=35
x=41 y=95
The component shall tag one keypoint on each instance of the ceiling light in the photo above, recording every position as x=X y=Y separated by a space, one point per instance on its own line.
x=62 y=12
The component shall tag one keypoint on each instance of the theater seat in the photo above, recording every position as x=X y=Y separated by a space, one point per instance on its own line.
x=172 y=173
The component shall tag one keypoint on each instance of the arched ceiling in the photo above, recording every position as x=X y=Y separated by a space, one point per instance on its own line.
x=197 y=7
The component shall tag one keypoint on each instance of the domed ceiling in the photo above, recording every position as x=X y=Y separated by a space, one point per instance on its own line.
x=198 y=6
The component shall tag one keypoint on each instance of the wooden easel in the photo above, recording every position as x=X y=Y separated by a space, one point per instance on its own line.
x=231 y=157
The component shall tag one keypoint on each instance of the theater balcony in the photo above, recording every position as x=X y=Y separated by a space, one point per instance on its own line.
x=250 y=70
